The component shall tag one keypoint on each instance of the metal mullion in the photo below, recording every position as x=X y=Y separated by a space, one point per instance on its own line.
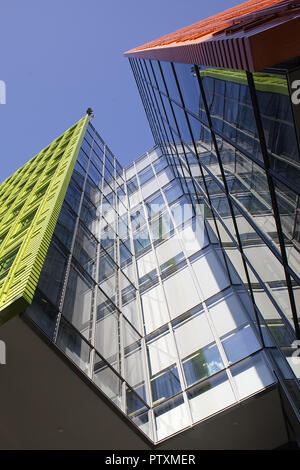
x=204 y=179
x=207 y=199
x=267 y=290
x=173 y=114
x=295 y=217
x=262 y=235
x=138 y=79
x=124 y=321
x=147 y=106
x=282 y=381
x=101 y=250
x=280 y=158
x=265 y=155
x=157 y=111
x=250 y=220
x=252 y=158
x=215 y=144
x=248 y=263
x=197 y=155
x=143 y=342
x=121 y=329
x=161 y=125
x=241 y=150
x=93 y=336
x=95 y=290
x=285 y=182
x=170 y=329
x=171 y=132
x=163 y=106
x=288 y=76
x=151 y=119
x=162 y=91
x=201 y=296
x=269 y=242
x=116 y=275
x=179 y=135
x=169 y=323
x=68 y=268
x=174 y=165
x=116 y=372
x=169 y=149
x=245 y=267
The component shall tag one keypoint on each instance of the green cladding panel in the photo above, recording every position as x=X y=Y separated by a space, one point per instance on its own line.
x=30 y=203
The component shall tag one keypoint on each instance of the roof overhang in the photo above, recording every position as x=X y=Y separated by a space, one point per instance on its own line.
x=251 y=36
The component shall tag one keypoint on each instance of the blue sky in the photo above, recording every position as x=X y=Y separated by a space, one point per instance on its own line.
x=59 y=57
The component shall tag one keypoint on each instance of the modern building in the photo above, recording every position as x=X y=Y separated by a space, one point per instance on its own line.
x=157 y=306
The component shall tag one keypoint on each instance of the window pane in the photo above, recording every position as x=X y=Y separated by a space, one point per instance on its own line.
x=78 y=301
x=105 y=378
x=192 y=333
x=202 y=364
x=189 y=86
x=170 y=417
x=240 y=343
x=85 y=250
x=145 y=175
x=73 y=345
x=107 y=275
x=42 y=312
x=181 y=292
x=65 y=226
x=252 y=375
x=53 y=274
x=154 y=309
x=211 y=274
x=107 y=333
x=210 y=397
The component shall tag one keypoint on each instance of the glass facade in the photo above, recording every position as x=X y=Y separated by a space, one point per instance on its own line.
x=230 y=138
x=172 y=286
x=153 y=285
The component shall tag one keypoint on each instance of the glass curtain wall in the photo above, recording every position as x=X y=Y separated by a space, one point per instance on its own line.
x=230 y=138
x=198 y=323
x=153 y=285
x=86 y=300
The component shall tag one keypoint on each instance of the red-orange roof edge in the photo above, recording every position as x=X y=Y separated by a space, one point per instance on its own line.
x=243 y=37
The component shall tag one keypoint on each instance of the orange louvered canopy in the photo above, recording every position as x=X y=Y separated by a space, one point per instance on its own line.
x=241 y=37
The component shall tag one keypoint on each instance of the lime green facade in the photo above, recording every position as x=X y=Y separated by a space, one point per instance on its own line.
x=30 y=203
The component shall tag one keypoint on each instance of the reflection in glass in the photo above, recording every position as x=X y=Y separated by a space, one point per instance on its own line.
x=202 y=364
x=73 y=345
x=106 y=379
x=78 y=301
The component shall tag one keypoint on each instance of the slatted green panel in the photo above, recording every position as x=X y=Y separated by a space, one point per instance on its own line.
x=30 y=203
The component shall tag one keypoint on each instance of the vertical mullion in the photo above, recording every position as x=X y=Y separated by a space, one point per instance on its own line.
x=93 y=338
x=215 y=144
x=68 y=268
x=265 y=155
x=180 y=138
x=143 y=341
